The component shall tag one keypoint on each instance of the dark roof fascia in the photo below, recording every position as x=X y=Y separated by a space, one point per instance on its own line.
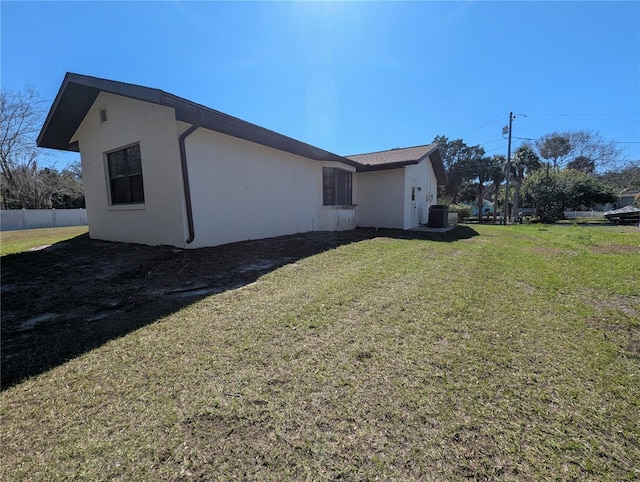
x=192 y=113
x=74 y=99
x=387 y=166
x=78 y=93
x=432 y=154
x=438 y=167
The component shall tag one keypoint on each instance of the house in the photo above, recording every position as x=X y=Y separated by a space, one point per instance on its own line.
x=159 y=169
x=487 y=208
x=397 y=187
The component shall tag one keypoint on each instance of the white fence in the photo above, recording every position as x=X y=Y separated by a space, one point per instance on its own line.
x=583 y=214
x=15 y=219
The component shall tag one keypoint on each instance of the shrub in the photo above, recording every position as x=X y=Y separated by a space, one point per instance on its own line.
x=464 y=212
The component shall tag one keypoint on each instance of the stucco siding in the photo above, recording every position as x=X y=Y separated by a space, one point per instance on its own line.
x=160 y=219
x=421 y=176
x=241 y=190
x=431 y=195
x=381 y=198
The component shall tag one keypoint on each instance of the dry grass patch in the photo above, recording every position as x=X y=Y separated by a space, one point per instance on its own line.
x=618 y=317
x=616 y=249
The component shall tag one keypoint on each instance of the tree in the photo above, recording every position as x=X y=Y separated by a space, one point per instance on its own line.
x=69 y=191
x=497 y=176
x=44 y=188
x=625 y=179
x=553 y=192
x=480 y=170
x=20 y=119
x=582 y=150
x=456 y=156
x=524 y=161
x=554 y=147
x=582 y=164
x=24 y=182
x=591 y=148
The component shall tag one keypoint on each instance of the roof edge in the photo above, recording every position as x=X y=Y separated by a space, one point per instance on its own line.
x=53 y=107
x=63 y=119
x=78 y=92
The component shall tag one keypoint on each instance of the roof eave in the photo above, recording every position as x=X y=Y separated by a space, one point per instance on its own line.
x=432 y=154
x=66 y=115
x=438 y=167
x=386 y=166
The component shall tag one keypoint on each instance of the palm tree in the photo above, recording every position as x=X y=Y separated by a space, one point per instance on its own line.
x=523 y=162
x=481 y=170
x=496 y=177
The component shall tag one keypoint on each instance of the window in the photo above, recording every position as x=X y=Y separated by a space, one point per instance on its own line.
x=125 y=175
x=336 y=187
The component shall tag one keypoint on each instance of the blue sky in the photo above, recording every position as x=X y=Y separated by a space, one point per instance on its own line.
x=353 y=77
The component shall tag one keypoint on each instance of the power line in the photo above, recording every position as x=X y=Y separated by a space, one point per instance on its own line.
x=596 y=142
x=610 y=114
x=496 y=148
x=490 y=142
x=479 y=127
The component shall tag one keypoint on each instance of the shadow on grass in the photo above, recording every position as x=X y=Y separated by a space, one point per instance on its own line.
x=76 y=295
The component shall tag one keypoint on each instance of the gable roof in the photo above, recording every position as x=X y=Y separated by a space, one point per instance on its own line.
x=78 y=93
x=394 y=158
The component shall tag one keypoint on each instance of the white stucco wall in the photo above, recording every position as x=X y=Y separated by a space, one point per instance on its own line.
x=426 y=193
x=381 y=198
x=241 y=190
x=160 y=219
x=431 y=194
x=385 y=196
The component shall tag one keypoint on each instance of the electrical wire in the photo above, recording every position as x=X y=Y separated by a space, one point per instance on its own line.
x=496 y=149
x=586 y=115
x=491 y=142
x=596 y=142
x=479 y=127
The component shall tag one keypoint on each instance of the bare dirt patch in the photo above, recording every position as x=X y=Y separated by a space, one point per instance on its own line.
x=63 y=300
x=616 y=249
x=629 y=305
x=548 y=250
x=625 y=332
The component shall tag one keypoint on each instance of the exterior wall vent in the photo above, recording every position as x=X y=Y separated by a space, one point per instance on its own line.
x=103 y=114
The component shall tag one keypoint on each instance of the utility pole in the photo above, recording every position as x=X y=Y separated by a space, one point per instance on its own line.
x=508 y=172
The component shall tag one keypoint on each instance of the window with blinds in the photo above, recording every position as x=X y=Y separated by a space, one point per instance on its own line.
x=125 y=175
x=337 y=187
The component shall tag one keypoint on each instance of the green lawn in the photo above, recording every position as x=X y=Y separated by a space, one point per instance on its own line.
x=511 y=355
x=28 y=239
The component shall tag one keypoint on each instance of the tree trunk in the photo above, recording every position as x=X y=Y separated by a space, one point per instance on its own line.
x=516 y=199
x=495 y=202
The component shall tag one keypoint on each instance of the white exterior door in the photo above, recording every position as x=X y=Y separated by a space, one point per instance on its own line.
x=415 y=215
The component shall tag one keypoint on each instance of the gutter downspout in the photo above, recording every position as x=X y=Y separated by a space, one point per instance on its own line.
x=185 y=181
